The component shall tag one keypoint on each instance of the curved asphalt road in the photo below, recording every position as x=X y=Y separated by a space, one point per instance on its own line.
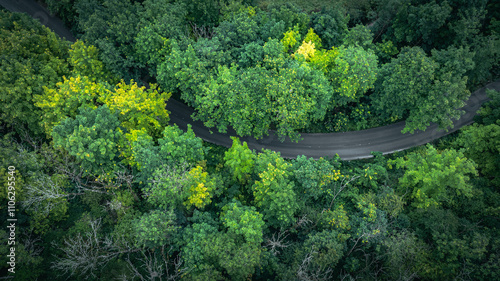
x=348 y=145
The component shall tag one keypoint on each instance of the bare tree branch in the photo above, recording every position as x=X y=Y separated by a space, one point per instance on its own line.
x=44 y=194
x=88 y=253
x=157 y=266
x=307 y=272
x=276 y=242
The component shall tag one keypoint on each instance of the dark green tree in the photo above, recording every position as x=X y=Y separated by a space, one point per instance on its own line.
x=92 y=137
x=31 y=57
x=423 y=89
x=331 y=26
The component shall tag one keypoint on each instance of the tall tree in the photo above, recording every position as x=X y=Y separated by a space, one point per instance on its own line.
x=31 y=57
x=354 y=73
x=139 y=108
x=175 y=149
x=274 y=194
x=84 y=60
x=423 y=89
x=252 y=100
x=64 y=100
x=331 y=26
x=435 y=177
x=92 y=137
x=481 y=140
x=240 y=160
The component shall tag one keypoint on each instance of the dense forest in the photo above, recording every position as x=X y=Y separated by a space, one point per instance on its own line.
x=106 y=189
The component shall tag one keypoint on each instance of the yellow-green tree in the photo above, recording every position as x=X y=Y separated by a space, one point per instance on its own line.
x=436 y=177
x=84 y=60
x=240 y=160
x=291 y=39
x=66 y=98
x=138 y=108
x=274 y=194
x=174 y=187
x=200 y=188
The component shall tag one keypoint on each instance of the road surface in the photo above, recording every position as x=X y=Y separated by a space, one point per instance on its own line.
x=348 y=145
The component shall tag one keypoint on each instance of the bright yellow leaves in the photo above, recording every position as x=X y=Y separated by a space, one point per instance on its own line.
x=309 y=45
x=313 y=38
x=290 y=39
x=306 y=49
x=200 y=188
x=311 y=50
x=64 y=101
x=368 y=173
x=139 y=108
x=328 y=178
x=198 y=195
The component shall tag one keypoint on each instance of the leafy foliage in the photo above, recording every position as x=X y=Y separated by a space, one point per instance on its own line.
x=243 y=221
x=92 y=137
x=436 y=177
x=175 y=148
x=240 y=160
x=480 y=141
x=331 y=26
x=31 y=57
x=119 y=194
x=412 y=86
x=85 y=61
x=155 y=228
x=274 y=194
x=313 y=177
x=288 y=97
x=139 y=108
x=354 y=73
x=65 y=100
x=201 y=188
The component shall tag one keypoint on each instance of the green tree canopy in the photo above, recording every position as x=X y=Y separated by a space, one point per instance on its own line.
x=64 y=100
x=252 y=100
x=423 y=89
x=31 y=57
x=243 y=222
x=435 y=177
x=175 y=148
x=274 y=194
x=92 y=137
x=155 y=228
x=240 y=160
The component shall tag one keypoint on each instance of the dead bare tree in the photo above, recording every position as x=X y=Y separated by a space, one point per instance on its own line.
x=85 y=254
x=30 y=243
x=308 y=272
x=201 y=31
x=157 y=266
x=276 y=242
x=44 y=194
x=302 y=222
